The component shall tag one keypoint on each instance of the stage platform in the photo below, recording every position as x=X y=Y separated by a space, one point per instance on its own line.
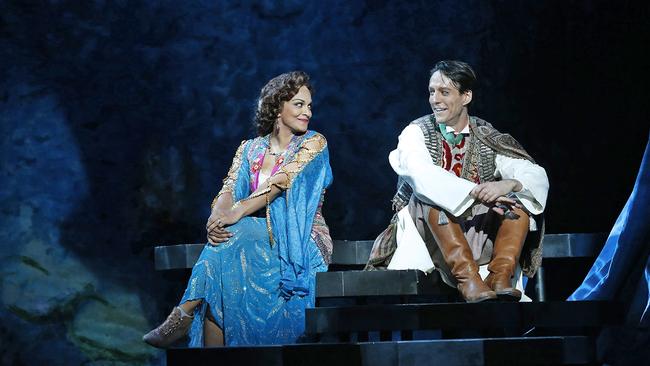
x=411 y=318
x=568 y=350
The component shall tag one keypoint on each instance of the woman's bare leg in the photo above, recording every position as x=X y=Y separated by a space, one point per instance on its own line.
x=189 y=306
x=212 y=334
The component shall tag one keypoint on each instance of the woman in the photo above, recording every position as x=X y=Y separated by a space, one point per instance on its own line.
x=266 y=235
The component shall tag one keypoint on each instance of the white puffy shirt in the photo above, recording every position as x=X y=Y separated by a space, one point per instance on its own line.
x=434 y=185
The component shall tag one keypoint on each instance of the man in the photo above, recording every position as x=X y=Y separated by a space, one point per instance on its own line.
x=473 y=194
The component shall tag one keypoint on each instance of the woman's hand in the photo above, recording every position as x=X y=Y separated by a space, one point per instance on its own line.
x=216 y=234
x=218 y=220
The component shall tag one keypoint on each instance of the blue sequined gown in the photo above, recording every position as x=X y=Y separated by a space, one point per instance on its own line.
x=257 y=292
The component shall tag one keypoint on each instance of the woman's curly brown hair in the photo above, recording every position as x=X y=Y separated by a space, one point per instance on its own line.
x=278 y=90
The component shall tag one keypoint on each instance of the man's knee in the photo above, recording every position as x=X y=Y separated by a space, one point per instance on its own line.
x=522 y=220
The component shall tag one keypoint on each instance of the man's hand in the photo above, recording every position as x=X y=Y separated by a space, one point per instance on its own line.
x=503 y=204
x=489 y=192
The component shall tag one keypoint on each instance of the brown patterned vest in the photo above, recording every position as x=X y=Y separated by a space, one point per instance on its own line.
x=484 y=144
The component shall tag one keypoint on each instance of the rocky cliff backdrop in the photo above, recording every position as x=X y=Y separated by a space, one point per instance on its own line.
x=118 y=120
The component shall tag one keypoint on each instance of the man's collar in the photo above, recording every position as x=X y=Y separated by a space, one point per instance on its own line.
x=465 y=130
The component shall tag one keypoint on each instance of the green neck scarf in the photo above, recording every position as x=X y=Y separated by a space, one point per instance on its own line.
x=452 y=139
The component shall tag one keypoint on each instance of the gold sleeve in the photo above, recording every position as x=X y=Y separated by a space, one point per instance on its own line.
x=310 y=148
x=230 y=179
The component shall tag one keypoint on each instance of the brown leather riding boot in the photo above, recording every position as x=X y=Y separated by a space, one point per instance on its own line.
x=458 y=256
x=507 y=248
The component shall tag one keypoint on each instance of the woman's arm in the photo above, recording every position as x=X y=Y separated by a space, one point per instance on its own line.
x=220 y=206
x=231 y=214
x=258 y=199
x=223 y=202
x=273 y=186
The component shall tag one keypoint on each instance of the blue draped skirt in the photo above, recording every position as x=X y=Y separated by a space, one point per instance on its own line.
x=238 y=282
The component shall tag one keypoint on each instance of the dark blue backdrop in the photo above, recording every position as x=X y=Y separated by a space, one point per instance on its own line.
x=118 y=120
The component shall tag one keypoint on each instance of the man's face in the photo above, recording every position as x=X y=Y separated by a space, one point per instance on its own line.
x=447 y=103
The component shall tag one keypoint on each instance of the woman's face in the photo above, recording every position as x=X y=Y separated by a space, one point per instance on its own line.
x=295 y=113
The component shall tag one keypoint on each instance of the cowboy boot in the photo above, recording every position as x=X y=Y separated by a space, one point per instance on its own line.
x=505 y=255
x=171 y=330
x=458 y=256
